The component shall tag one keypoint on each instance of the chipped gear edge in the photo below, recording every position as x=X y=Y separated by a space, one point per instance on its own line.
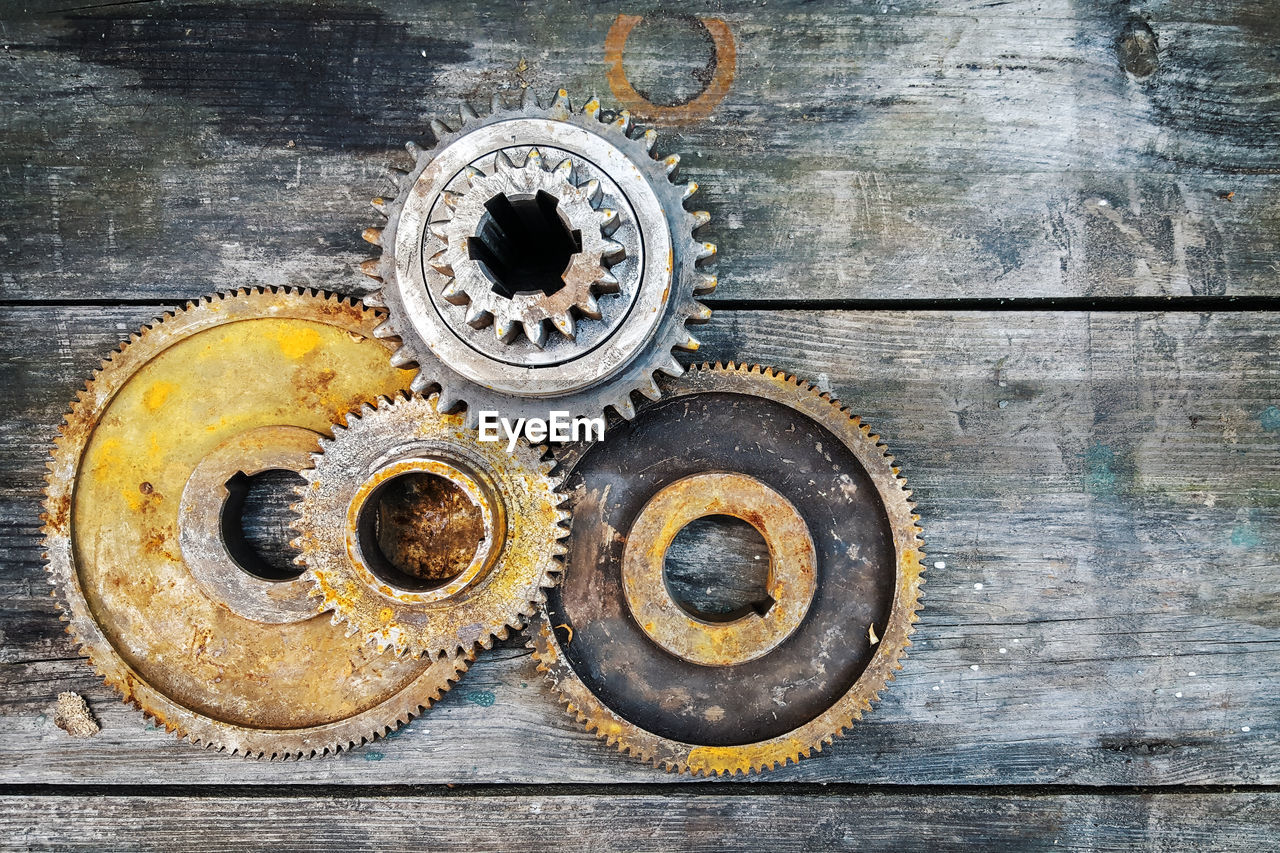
x=809 y=738
x=64 y=457
x=516 y=613
x=639 y=376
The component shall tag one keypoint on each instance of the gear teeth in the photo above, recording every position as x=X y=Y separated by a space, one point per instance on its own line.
x=502 y=163
x=689 y=189
x=591 y=189
x=650 y=138
x=440 y=129
x=372 y=268
x=564 y=170
x=478 y=318
x=438 y=263
x=506 y=330
x=592 y=108
x=705 y=285
x=401 y=358
x=534 y=157
x=699 y=313
x=415 y=151
x=690 y=343
x=560 y=106
x=672 y=165
x=438 y=231
x=613 y=251
x=453 y=293
x=495 y=103
x=672 y=367
x=624 y=407
x=700 y=218
x=591 y=308
x=606 y=283
x=566 y=325
x=379 y=204
x=529 y=99
x=623 y=122
x=450 y=199
x=536 y=333
x=372 y=235
x=466 y=113
x=608 y=221
x=705 y=250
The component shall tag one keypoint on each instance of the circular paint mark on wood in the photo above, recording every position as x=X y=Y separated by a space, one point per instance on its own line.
x=677 y=105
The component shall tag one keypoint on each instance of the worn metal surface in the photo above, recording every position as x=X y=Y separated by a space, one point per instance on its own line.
x=743 y=714
x=576 y=203
x=606 y=360
x=516 y=558
x=167 y=407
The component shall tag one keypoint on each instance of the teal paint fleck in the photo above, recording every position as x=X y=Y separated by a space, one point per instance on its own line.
x=1098 y=477
x=1245 y=536
x=374 y=755
x=1270 y=418
x=483 y=698
x=394 y=733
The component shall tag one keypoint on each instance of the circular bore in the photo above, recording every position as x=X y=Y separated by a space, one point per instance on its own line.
x=791 y=584
x=201 y=533
x=169 y=406
x=516 y=559
x=604 y=360
x=370 y=564
x=755 y=714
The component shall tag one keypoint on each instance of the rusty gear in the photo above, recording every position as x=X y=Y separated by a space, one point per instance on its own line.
x=505 y=553
x=768 y=687
x=610 y=331
x=137 y=487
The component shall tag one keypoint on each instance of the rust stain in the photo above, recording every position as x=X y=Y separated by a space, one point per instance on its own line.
x=726 y=56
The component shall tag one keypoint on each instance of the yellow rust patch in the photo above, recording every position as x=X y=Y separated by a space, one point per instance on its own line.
x=295 y=340
x=153 y=398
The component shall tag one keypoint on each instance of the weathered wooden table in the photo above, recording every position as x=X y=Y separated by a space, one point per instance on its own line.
x=1035 y=244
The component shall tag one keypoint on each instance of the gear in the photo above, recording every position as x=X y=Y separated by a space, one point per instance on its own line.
x=603 y=294
x=773 y=683
x=169 y=610
x=492 y=522
x=472 y=281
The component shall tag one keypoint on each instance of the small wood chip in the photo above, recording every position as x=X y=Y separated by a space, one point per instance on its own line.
x=871 y=634
x=73 y=716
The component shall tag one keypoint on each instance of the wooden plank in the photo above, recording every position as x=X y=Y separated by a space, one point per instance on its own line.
x=882 y=820
x=1103 y=488
x=921 y=150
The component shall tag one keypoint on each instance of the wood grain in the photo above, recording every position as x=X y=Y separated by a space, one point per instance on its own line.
x=833 y=820
x=914 y=151
x=1116 y=499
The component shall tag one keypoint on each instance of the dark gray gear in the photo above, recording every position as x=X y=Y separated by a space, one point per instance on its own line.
x=599 y=359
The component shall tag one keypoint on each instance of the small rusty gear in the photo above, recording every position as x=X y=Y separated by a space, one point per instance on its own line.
x=134 y=509
x=510 y=546
x=779 y=682
x=552 y=193
x=433 y=271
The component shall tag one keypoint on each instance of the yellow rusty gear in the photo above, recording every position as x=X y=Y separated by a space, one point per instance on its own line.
x=153 y=597
x=512 y=554
x=553 y=639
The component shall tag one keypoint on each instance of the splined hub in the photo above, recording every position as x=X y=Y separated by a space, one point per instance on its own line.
x=540 y=259
x=770 y=685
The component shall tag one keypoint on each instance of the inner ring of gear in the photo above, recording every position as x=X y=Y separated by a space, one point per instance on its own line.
x=781 y=706
x=627 y=326
x=791 y=584
x=515 y=557
x=171 y=404
x=568 y=321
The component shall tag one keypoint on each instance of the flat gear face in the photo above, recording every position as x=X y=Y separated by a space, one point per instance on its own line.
x=594 y=335
x=133 y=527
x=768 y=687
x=511 y=555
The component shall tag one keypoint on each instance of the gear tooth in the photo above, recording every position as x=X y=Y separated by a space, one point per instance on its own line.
x=445 y=401
x=452 y=292
x=699 y=313
x=560 y=107
x=396 y=175
x=592 y=108
x=466 y=113
x=672 y=367
x=372 y=268
x=591 y=189
x=439 y=230
x=536 y=333
x=384 y=330
x=613 y=251
x=606 y=282
x=700 y=217
x=564 y=170
x=705 y=250
x=649 y=387
x=420 y=384
x=566 y=325
x=505 y=329
x=672 y=164
x=502 y=162
x=689 y=189
x=650 y=137
x=590 y=307
x=473 y=176
x=372 y=235
x=624 y=407
x=534 y=158
x=689 y=343
x=478 y=318
x=415 y=151
x=529 y=99
x=608 y=220
x=402 y=358
x=704 y=285
x=495 y=103
x=439 y=128
x=451 y=199
x=440 y=264
x=623 y=122
x=379 y=204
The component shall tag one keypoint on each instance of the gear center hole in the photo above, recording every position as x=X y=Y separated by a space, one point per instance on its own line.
x=524 y=244
x=255 y=523
x=419 y=531
x=717 y=569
